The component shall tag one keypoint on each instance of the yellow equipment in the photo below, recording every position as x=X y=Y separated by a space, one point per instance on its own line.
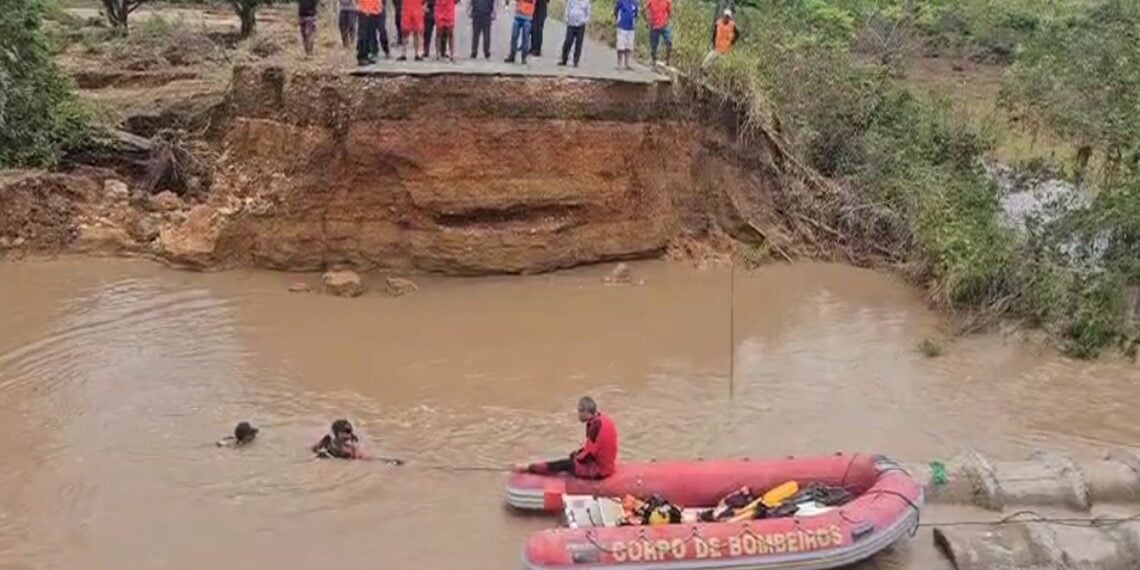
x=658 y=517
x=779 y=494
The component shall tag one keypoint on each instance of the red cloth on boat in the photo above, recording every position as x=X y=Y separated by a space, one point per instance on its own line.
x=445 y=13
x=412 y=16
x=598 y=456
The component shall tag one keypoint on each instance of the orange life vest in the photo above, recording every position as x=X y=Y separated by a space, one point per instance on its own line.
x=725 y=30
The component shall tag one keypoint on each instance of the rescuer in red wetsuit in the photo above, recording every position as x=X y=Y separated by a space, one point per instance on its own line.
x=598 y=455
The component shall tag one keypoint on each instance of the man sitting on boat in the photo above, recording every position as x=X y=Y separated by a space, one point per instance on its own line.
x=598 y=455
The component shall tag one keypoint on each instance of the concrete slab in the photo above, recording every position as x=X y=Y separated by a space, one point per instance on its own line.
x=599 y=61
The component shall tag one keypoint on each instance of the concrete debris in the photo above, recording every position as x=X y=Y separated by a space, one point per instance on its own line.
x=1040 y=545
x=1045 y=479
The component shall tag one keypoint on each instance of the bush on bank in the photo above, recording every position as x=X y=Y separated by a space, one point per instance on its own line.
x=39 y=115
x=915 y=171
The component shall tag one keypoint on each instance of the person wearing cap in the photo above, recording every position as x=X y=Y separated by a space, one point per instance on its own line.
x=596 y=459
x=723 y=37
x=244 y=434
x=725 y=33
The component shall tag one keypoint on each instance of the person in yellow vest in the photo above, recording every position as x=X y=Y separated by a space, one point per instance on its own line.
x=723 y=39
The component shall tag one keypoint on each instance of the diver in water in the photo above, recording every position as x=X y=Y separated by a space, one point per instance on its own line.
x=342 y=443
x=339 y=443
x=244 y=434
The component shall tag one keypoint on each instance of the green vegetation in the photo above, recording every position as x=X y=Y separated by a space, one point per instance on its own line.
x=909 y=164
x=930 y=348
x=38 y=114
x=1080 y=77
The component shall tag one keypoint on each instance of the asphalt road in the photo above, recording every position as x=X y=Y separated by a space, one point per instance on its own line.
x=599 y=61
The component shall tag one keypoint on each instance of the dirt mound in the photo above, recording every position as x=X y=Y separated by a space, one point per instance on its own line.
x=38 y=210
x=315 y=169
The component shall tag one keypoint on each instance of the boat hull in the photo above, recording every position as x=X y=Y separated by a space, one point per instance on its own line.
x=885 y=509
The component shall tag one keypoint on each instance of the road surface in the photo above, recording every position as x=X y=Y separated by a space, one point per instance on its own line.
x=599 y=61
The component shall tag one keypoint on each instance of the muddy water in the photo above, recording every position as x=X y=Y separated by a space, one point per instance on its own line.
x=116 y=377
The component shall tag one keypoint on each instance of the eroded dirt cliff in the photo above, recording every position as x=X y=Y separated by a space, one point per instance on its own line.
x=459 y=174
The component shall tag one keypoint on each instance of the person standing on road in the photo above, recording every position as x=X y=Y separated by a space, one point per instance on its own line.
x=382 y=31
x=412 y=25
x=307 y=15
x=370 y=23
x=397 y=20
x=659 y=12
x=520 y=29
x=482 y=13
x=577 y=18
x=346 y=19
x=429 y=26
x=625 y=12
x=445 y=29
x=537 y=27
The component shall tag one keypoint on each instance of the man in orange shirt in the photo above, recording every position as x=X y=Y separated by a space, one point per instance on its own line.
x=520 y=29
x=371 y=32
x=724 y=35
x=659 y=13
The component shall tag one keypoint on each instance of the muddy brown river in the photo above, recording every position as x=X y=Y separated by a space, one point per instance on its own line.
x=116 y=377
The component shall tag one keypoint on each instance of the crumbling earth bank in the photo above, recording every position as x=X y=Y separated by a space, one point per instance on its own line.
x=458 y=174
x=453 y=174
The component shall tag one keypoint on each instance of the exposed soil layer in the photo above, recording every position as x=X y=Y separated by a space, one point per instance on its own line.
x=103 y=79
x=38 y=211
x=462 y=175
x=453 y=174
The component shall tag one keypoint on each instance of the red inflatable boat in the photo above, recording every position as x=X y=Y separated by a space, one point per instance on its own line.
x=884 y=507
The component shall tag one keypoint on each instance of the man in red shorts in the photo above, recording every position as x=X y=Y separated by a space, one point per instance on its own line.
x=445 y=29
x=411 y=24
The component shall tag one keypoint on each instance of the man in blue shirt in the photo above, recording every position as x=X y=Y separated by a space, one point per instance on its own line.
x=625 y=12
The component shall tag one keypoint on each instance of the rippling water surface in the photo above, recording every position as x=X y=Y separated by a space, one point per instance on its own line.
x=116 y=377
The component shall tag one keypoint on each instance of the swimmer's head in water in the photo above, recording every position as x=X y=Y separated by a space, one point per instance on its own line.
x=342 y=430
x=244 y=432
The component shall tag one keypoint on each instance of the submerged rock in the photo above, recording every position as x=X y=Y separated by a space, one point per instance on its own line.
x=397 y=286
x=622 y=275
x=300 y=287
x=343 y=283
